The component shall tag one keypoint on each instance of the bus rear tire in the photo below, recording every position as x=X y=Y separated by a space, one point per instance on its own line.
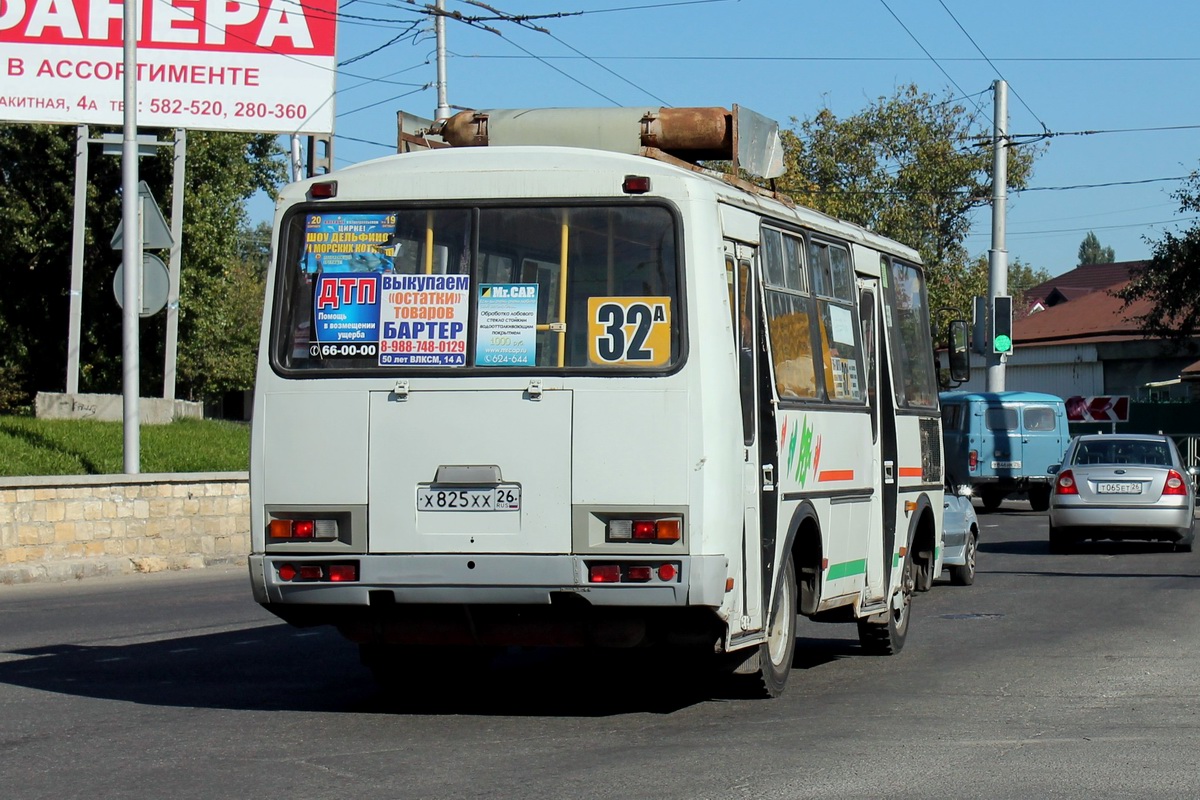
x=884 y=634
x=774 y=656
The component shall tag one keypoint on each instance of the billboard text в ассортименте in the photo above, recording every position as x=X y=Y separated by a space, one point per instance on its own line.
x=237 y=65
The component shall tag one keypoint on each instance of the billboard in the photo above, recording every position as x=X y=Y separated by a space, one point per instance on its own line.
x=230 y=65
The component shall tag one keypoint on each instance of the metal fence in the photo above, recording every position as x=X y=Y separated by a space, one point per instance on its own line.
x=1189 y=447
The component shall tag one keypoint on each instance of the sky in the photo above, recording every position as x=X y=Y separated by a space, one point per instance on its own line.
x=1119 y=69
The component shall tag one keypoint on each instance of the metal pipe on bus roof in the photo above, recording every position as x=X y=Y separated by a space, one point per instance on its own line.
x=697 y=132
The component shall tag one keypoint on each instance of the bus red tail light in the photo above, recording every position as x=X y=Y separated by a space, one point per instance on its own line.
x=343 y=573
x=292 y=530
x=604 y=573
x=660 y=531
x=640 y=572
x=973 y=460
x=1174 y=484
x=1066 y=483
x=317 y=572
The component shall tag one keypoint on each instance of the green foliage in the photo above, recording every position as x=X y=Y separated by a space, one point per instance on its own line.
x=30 y=446
x=1170 y=280
x=1091 y=251
x=911 y=167
x=37 y=192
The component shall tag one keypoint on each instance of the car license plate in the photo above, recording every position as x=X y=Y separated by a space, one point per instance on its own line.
x=469 y=498
x=1006 y=465
x=1123 y=487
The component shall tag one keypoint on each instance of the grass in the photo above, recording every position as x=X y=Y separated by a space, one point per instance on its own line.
x=30 y=446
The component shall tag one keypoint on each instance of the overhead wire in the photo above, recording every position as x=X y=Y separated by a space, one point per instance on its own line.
x=996 y=69
x=925 y=50
x=524 y=21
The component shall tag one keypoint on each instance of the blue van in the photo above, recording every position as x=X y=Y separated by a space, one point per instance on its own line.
x=1000 y=443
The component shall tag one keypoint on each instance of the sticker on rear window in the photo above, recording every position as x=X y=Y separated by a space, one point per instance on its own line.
x=629 y=331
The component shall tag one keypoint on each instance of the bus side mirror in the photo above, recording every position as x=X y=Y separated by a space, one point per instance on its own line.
x=957 y=347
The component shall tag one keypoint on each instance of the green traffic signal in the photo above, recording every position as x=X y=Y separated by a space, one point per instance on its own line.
x=1002 y=344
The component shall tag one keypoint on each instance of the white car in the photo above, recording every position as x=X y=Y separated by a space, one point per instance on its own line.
x=960 y=537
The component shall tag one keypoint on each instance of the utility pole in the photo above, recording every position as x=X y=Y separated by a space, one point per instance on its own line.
x=131 y=254
x=439 y=28
x=999 y=344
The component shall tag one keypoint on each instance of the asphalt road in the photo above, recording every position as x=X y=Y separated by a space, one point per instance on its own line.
x=1052 y=676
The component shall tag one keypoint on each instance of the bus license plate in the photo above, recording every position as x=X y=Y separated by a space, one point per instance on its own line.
x=1119 y=488
x=469 y=498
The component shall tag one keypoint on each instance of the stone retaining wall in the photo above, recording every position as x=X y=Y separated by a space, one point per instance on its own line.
x=78 y=526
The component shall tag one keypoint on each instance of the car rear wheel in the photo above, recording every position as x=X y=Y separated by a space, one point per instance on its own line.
x=964 y=574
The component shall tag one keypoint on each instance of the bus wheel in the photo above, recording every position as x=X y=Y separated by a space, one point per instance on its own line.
x=884 y=634
x=775 y=655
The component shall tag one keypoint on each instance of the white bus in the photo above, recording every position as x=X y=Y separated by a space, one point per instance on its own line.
x=527 y=395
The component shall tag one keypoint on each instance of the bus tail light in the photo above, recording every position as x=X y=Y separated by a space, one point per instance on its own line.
x=1174 y=484
x=664 y=572
x=318 y=572
x=659 y=531
x=1066 y=483
x=973 y=460
x=292 y=530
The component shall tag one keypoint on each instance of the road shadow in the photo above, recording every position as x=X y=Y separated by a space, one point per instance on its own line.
x=1040 y=547
x=279 y=668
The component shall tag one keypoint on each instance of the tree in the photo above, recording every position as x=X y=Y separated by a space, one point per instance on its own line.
x=911 y=167
x=36 y=191
x=1170 y=280
x=1090 y=251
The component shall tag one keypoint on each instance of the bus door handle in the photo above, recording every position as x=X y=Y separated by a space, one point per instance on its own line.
x=889 y=472
x=401 y=390
x=768 y=473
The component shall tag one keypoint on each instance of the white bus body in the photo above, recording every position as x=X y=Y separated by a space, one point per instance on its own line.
x=547 y=395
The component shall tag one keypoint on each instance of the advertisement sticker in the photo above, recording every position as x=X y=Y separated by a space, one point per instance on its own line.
x=345 y=316
x=507 y=325
x=423 y=320
x=342 y=243
x=629 y=331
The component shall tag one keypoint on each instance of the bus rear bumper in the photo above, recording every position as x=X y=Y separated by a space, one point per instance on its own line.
x=490 y=579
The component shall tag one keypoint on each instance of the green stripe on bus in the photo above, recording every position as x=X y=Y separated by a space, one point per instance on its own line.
x=846 y=569
x=895 y=560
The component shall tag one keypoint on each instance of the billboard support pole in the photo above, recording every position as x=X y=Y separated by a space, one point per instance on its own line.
x=131 y=253
x=78 y=225
x=177 y=188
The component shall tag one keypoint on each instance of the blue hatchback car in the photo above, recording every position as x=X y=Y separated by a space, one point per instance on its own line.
x=1002 y=443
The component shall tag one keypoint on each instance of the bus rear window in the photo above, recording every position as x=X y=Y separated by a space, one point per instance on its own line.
x=587 y=288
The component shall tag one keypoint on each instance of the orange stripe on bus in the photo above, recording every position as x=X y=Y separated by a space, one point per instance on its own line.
x=911 y=472
x=836 y=475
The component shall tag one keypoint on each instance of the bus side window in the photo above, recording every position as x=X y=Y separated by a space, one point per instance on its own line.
x=789 y=320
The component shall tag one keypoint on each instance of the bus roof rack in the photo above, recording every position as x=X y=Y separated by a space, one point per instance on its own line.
x=748 y=140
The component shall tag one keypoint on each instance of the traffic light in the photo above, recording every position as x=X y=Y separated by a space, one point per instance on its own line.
x=1002 y=325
